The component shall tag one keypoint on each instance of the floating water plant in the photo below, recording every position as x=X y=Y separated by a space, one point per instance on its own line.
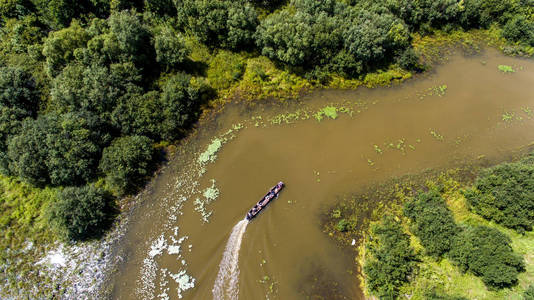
x=527 y=111
x=506 y=69
x=210 y=154
x=508 y=116
x=377 y=149
x=436 y=135
x=440 y=90
x=209 y=195
x=328 y=111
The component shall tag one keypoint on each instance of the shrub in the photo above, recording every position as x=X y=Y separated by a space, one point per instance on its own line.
x=505 y=194
x=486 y=252
x=81 y=212
x=432 y=222
x=389 y=259
x=519 y=29
x=224 y=69
x=127 y=162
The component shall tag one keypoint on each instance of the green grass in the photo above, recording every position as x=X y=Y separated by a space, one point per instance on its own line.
x=22 y=223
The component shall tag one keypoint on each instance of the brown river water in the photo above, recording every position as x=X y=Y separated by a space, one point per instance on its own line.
x=463 y=111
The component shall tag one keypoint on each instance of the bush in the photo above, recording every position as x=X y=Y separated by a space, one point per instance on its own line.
x=81 y=213
x=224 y=69
x=486 y=252
x=505 y=194
x=127 y=162
x=389 y=259
x=432 y=222
x=519 y=29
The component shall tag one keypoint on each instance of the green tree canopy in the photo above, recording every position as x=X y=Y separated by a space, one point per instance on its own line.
x=432 y=222
x=127 y=161
x=82 y=213
x=389 y=259
x=505 y=194
x=487 y=253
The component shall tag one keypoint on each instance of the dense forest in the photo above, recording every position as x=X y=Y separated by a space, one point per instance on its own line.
x=91 y=90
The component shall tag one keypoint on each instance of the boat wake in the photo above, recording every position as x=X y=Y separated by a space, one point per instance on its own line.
x=227 y=282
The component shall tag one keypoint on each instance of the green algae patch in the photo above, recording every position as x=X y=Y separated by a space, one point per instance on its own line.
x=211 y=152
x=327 y=111
x=506 y=69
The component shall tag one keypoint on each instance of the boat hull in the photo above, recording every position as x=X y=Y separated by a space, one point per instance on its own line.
x=271 y=195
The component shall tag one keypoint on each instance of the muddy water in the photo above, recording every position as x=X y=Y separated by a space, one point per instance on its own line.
x=465 y=110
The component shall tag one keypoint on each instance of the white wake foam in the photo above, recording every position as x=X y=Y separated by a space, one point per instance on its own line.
x=227 y=282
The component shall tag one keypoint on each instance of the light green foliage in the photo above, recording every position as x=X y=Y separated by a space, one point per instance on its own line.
x=327 y=111
x=60 y=46
x=506 y=69
x=436 y=135
x=127 y=162
x=225 y=69
x=170 y=47
x=22 y=220
x=210 y=154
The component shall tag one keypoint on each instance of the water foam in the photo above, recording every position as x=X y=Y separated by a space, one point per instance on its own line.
x=227 y=282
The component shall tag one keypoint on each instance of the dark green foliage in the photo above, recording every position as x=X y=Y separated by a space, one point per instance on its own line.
x=529 y=293
x=331 y=34
x=127 y=162
x=170 y=48
x=74 y=145
x=432 y=222
x=227 y=24
x=161 y=7
x=82 y=212
x=486 y=252
x=389 y=259
x=18 y=90
x=95 y=88
x=15 y=8
x=27 y=152
x=179 y=103
x=519 y=29
x=57 y=149
x=346 y=225
x=505 y=194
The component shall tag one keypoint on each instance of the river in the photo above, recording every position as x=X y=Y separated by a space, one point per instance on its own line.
x=464 y=110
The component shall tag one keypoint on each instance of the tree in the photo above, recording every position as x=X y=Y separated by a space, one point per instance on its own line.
x=139 y=114
x=81 y=213
x=170 y=48
x=224 y=24
x=60 y=45
x=126 y=162
x=27 y=152
x=95 y=88
x=519 y=29
x=487 y=253
x=180 y=103
x=389 y=259
x=505 y=195
x=432 y=222
x=18 y=90
x=74 y=146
